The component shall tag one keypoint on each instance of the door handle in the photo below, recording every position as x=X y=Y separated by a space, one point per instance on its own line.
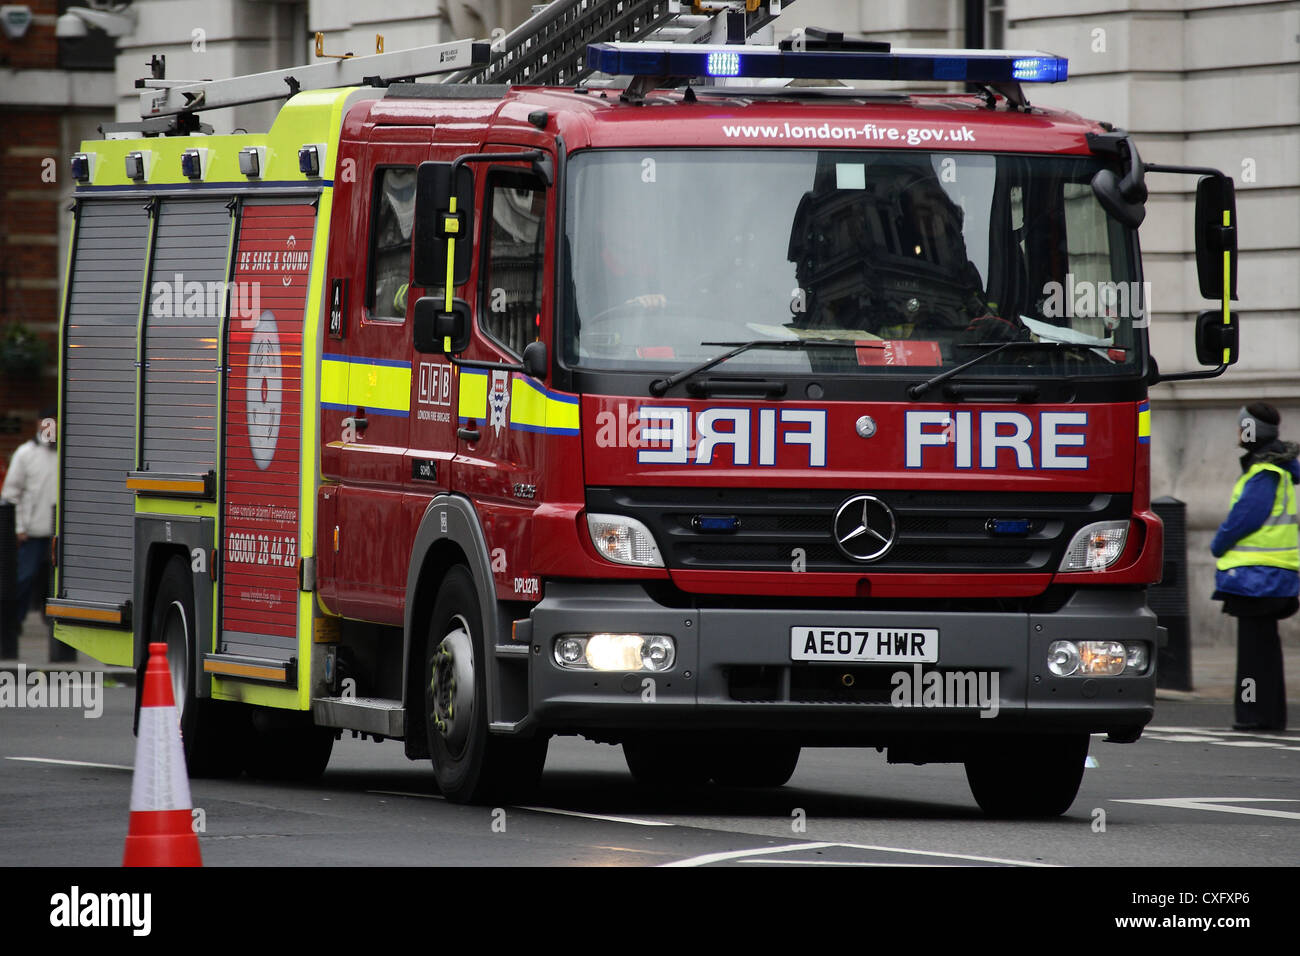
x=358 y=421
x=467 y=434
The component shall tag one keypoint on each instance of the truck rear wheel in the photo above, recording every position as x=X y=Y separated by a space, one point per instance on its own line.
x=286 y=745
x=1029 y=777
x=469 y=764
x=754 y=761
x=212 y=731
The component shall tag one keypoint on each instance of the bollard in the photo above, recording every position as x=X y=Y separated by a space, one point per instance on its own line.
x=1169 y=598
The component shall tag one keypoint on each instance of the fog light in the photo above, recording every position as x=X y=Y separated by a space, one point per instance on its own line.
x=1101 y=658
x=1062 y=658
x=570 y=651
x=658 y=653
x=1138 y=656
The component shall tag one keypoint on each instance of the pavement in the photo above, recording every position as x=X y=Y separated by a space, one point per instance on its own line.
x=1213 y=665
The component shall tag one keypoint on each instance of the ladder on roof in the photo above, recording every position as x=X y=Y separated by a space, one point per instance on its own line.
x=549 y=48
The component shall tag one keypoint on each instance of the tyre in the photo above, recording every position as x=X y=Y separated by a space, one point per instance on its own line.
x=757 y=761
x=286 y=745
x=212 y=731
x=1030 y=777
x=469 y=764
x=666 y=760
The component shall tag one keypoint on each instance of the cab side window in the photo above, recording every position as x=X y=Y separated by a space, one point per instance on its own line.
x=390 y=242
x=515 y=233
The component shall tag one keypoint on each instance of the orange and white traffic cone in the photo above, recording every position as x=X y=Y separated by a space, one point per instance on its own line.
x=161 y=833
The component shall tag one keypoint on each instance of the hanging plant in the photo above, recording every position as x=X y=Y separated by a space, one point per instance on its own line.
x=22 y=351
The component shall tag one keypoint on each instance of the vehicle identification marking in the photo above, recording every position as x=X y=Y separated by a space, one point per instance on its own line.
x=872 y=644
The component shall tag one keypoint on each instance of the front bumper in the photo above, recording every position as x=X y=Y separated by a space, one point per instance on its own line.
x=734 y=671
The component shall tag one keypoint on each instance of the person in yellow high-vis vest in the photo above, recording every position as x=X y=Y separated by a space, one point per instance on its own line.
x=1258 y=576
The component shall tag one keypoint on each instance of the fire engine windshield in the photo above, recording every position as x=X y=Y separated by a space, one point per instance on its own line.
x=917 y=259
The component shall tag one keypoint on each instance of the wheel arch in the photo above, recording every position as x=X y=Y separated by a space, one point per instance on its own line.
x=449 y=534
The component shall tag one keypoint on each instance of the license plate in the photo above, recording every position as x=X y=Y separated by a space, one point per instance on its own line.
x=870 y=644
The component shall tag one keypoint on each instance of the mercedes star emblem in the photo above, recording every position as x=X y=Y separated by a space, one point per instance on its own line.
x=864 y=528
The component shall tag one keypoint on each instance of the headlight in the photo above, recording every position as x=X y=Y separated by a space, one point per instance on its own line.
x=1096 y=546
x=1086 y=658
x=624 y=540
x=615 y=652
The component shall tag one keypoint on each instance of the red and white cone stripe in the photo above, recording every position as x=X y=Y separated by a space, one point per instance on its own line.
x=161 y=833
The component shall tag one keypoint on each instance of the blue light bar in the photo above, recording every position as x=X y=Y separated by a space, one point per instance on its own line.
x=765 y=62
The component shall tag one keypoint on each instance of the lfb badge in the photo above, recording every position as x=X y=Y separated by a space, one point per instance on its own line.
x=264 y=396
x=499 y=399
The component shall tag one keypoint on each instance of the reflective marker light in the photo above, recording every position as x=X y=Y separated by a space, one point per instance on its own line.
x=615 y=652
x=250 y=161
x=765 y=62
x=1095 y=547
x=723 y=63
x=309 y=161
x=192 y=163
x=82 y=167
x=135 y=166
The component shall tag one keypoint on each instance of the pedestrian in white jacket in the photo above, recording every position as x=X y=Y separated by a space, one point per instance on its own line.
x=32 y=485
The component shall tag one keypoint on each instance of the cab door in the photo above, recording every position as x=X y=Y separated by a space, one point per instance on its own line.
x=507 y=418
x=374 y=532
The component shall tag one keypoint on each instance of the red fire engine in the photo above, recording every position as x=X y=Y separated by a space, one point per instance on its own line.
x=692 y=411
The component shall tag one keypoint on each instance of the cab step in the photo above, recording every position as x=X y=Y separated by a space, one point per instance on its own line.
x=383 y=716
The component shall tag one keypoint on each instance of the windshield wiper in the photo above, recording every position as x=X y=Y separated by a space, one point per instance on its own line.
x=916 y=391
x=660 y=386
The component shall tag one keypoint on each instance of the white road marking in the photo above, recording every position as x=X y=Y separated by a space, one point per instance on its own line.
x=409 y=793
x=72 y=763
x=892 y=866
x=1216 y=732
x=598 y=816
x=1221 y=805
x=708 y=858
x=567 y=813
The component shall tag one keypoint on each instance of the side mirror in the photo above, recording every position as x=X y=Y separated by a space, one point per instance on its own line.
x=1125 y=199
x=1216 y=343
x=438 y=331
x=438 y=228
x=535 y=359
x=1216 y=234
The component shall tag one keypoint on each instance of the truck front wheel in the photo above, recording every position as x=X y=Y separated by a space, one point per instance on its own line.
x=469 y=764
x=1028 y=777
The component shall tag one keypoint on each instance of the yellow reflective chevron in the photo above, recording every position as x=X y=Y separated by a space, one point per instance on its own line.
x=1144 y=423
x=1274 y=543
x=382 y=386
x=537 y=409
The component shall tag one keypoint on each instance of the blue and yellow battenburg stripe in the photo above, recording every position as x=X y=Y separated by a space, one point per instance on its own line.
x=381 y=386
x=533 y=407
x=1144 y=423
